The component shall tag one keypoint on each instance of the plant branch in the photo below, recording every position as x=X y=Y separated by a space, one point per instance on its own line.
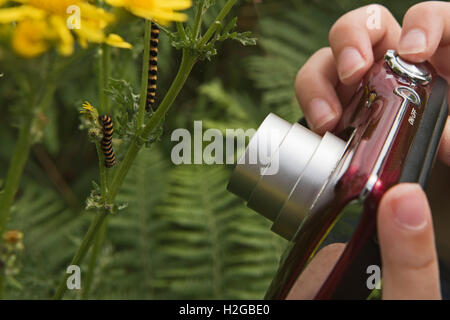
x=82 y=250
x=107 y=75
x=181 y=31
x=95 y=254
x=189 y=58
x=101 y=80
x=217 y=22
x=17 y=164
x=144 y=77
x=187 y=63
x=198 y=19
x=186 y=66
x=102 y=169
x=16 y=167
x=104 y=70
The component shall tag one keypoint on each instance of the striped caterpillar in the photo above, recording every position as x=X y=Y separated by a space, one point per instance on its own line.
x=152 y=67
x=107 y=148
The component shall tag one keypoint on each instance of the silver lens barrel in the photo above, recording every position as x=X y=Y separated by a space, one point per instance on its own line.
x=282 y=171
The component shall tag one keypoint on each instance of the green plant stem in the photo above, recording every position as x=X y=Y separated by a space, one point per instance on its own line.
x=83 y=249
x=103 y=75
x=144 y=77
x=95 y=254
x=100 y=237
x=107 y=75
x=198 y=19
x=187 y=63
x=181 y=31
x=16 y=167
x=186 y=66
x=103 y=80
x=217 y=22
x=123 y=169
x=102 y=168
x=17 y=164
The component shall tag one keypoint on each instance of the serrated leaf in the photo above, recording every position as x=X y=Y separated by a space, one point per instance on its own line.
x=244 y=38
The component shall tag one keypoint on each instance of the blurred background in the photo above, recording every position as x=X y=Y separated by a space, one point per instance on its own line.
x=182 y=235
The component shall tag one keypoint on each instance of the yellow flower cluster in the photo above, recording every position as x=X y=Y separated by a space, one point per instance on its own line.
x=162 y=11
x=38 y=24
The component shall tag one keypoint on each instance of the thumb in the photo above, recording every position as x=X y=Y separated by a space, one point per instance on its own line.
x=408 y=252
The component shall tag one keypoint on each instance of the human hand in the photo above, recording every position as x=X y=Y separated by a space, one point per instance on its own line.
x=410 y=265
x=408 y=253
x=332 y=74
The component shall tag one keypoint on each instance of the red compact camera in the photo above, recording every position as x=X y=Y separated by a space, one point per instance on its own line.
x=304 y=183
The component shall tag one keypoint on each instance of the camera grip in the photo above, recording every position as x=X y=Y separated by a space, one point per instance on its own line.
x=426 y=142
x=417 y=169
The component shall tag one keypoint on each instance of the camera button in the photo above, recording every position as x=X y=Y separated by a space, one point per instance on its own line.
x=407 y=70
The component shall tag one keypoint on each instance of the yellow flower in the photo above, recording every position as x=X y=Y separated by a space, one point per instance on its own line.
x=30 y=38
x=13 y=236
x=42 y=23
x=87 y=107
x=117 y=41
x=89 y=112
x=162 y=11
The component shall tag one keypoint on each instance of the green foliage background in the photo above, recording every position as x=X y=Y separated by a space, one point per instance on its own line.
x=182 y=234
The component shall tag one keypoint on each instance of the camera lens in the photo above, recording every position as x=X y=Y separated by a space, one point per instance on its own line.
x=283 y=170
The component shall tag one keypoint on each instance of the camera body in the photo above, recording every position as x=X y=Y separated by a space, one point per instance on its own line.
x=389 y=133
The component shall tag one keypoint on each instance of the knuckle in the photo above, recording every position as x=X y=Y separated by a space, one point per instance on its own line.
x=323 y=51
x=347 y=22
x=423 y=8
x=305 y=74
x=419 y=262
x=334 y=30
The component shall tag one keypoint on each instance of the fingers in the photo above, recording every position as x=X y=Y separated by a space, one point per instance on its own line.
x=405 y=232
x=444 y=147
x=426 y=26
x=355 y=43
x=426 y=36
x=360 y=37
x=315 y=88
x=316 y=272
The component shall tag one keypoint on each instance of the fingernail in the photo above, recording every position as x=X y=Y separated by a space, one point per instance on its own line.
x=410 y=207
x=349 y=62
x=321 y=113
x=415 y=41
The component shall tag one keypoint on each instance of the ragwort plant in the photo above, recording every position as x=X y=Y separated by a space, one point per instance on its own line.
x=34 y=27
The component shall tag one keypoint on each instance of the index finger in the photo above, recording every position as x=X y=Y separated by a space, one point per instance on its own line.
x=359 y=38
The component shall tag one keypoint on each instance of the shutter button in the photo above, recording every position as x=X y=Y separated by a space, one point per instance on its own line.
x=402 y=68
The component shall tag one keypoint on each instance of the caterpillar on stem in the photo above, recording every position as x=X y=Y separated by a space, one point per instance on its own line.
x=152 y=67
x=107 y=148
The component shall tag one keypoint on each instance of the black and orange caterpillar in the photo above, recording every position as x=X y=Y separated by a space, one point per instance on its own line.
x=107 y=148
x=152 y=67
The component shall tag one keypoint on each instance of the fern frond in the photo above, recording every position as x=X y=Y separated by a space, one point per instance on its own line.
x=131 y=232
x=288 y=41
x=51 y=232
x=211 y=245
